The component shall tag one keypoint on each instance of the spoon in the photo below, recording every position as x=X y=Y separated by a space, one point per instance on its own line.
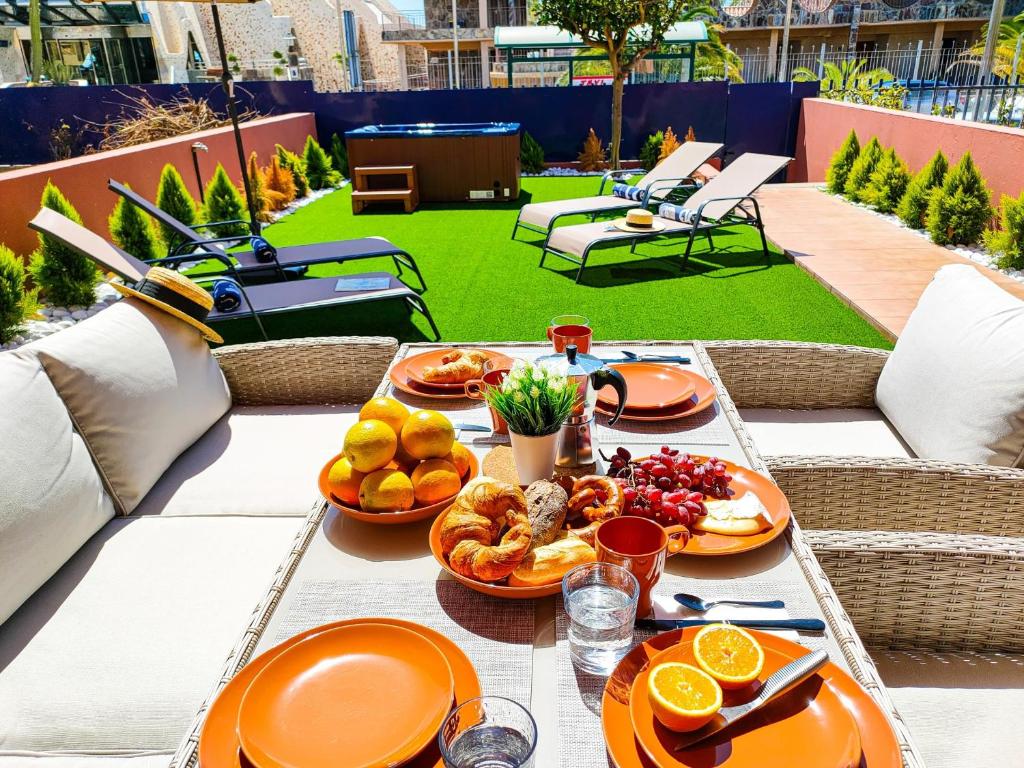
x=694 y=603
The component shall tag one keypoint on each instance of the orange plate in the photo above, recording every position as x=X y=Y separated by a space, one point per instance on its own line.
x=877 y=740
x=494 y=590
x=807 y=726
x=414 y=365
x=651 y=386
x=390 y=518
x=703 y=396
x=361 y=696
x=400 y=379
x=218 y=740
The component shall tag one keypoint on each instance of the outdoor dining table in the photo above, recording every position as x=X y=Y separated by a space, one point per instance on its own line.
x=342 y=568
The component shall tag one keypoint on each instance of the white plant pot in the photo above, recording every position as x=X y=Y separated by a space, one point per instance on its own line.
x=534 y=456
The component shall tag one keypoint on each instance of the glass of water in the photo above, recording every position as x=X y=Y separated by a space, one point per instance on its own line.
x=488 y=732
x=600 y=599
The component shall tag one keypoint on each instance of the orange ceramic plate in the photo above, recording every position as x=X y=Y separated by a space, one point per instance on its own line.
x=390 y=518
x=879 y=746
x=360 y=696
x=651 y=386
x=702 y=397
x=218 y=740
x=414 y=365
x=400 y=379
x=807 y=726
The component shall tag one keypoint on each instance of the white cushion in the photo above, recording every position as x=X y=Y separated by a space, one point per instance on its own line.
x=826 y=432
x=253 y=461
x=963 y=709
x=119 y=650
x=51 y=496
x=954 y=384
x=150 y=760
x=141 y=387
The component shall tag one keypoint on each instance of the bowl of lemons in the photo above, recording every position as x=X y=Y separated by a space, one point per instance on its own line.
x=397 y=465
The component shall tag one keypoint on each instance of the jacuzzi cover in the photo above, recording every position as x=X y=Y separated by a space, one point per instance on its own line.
x=412 y=130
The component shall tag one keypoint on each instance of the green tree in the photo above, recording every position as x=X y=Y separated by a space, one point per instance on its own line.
x=914 y=205
x=16 y=302
x=1011 y=32
x=624 y=30
x=531 y=154
x=133 y=230
x=339 y=155
x=1007 y=242
x=65 y=277
x=959 y=210
x=651 y=150
x=887 y=184
x=841 y=163
x=862 y=169
x=319 y=172
x=36 y=40
x=848 y=75
x=172 y=197
x=225 y=203
x=294 y=163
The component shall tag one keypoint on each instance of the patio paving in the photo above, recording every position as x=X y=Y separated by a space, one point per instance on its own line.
x=880 y=270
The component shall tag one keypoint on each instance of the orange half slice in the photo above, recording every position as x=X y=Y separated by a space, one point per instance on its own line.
x=683 y=697
x=729 y=654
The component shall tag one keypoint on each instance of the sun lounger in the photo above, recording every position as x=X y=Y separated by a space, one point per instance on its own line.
x=725 y=201
x=288 y=258
x=258 y=301
x=670 y=175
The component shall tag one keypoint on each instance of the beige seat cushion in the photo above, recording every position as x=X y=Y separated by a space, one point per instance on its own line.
x=51 y=496
x=826 y=432
x=954 y=384
x=963 y=709
x=117 y=652
x=253 y=461
x=141 y=387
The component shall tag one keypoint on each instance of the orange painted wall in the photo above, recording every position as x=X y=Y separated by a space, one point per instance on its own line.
x=998 y=151
x=84 y=179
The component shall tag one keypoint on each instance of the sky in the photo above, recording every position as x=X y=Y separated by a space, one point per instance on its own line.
x=408 y=5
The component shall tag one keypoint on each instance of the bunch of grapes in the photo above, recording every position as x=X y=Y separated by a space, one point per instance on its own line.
x=669 y=487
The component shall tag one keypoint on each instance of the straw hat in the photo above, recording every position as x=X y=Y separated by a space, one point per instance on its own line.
x=175 y=294
x=625 y=226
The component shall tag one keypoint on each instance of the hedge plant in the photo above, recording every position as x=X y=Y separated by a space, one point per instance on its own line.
x=293 y=163
x=841 y=163
x=173 y=197
x=888 y=183
x=339 y=155
x=862 y=169
x=65 y=277
x=914 y=205
x=225 y=203
x=959 y=210
x=16 y=302
x=319 y=172
x=133 y=231
x=531 y=154
x=280 y=182
x=1007 y=242
x=651 y=150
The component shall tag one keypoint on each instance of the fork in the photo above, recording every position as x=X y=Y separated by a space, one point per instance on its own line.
x=694 y=603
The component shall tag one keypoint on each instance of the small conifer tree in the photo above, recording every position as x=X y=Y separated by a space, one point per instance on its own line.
x=16 y=302
x=531 y=154
x=888 y=183
x=225 y=203
x=319 y=172
x=293 y=163
x=841 y=163
x=651 y=150
x=172 y=196
x=861 y=170
x=133 y=231
x=593 y=157
x=339 y=155
x=914 y=205
x=65 y=277
x=280 y=184
x=959 y=210
x=668 y=145
x=1007 y=242
x=258 y=189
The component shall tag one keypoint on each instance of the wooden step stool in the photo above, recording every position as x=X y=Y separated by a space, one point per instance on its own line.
x=409 y=193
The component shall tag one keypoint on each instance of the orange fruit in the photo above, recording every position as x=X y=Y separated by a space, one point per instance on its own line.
x=729 y=654
x=370 y=445
x=428 y=435
x=683 y=697
x=460 y=458
x=386 y=490
x=385 y=409
x=344 y=481
x=435 y=480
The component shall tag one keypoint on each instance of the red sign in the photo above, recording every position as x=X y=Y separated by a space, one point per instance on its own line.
x=592 y=80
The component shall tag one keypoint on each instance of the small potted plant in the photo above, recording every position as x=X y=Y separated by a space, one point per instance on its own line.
x=534 y=400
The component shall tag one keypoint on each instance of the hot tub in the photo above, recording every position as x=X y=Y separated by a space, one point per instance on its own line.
x=455 y=162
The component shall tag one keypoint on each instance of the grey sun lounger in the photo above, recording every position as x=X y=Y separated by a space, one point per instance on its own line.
x=288 y=257
x=670 y=175
x=258 y=301
x=725 y=201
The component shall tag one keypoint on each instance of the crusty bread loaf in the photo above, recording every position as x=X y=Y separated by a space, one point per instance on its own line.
x=548 y=564
x=548 y=505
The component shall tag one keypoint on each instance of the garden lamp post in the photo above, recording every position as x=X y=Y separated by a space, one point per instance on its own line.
x=197 y=147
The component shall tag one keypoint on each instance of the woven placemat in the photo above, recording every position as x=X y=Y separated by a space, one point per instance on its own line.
x=703 y=428
x=496 y=635
x=579 y=693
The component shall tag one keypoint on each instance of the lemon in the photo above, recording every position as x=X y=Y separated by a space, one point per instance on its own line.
x=386 y=490
x=370 y=445
x=344 y=481
x=435 y=480
x=428 y=435
x=385 y=409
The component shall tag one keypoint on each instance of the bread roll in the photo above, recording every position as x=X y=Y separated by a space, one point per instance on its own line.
x=548 y=505
x=548 y=564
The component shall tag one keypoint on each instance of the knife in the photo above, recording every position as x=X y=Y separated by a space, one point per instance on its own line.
x=664 y=625
x=777 y=684
x=471 y=427
x=646 y=359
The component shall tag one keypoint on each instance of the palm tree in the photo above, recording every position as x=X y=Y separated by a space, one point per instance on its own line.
x=1011 y=33
x=847 y=75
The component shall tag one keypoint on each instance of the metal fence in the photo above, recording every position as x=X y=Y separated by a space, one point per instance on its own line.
x=998 y=104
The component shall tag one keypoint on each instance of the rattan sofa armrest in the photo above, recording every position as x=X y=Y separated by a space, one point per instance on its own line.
x=312 y=371
x=927 y=590
x=790 y=374
x=864 y=493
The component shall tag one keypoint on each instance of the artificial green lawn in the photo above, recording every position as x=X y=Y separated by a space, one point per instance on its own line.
x=481 y=285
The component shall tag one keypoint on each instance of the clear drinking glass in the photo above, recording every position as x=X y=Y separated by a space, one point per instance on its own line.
x=600 y=599
x=569 y=320
x=488 y=732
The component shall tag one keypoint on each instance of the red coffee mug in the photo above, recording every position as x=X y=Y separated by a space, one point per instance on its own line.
x=562 y=336
x=477 y=390
x=640 y=546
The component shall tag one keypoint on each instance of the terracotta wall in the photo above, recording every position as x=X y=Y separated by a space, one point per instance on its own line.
x=84 y=179
x=824 y=124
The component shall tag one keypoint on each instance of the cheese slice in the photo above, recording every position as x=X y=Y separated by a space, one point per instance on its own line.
x=743 y=516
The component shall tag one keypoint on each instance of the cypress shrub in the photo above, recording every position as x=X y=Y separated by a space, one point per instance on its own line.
x=669 y=144
x=65 y=277
x=841 y=163
x=16 y=303
x=224 y=203
x=293 y=163
x=319 y=172
x=258 y=189
x=133 y=231
x=959 y=210
x=172 y=196
x=861 y=170
x=593 y=157
x=280 y=184
x=651 y=150
x=1007 y=242
x=531 y=154
x=888 y=183
x=339 y=155
x=914 y=205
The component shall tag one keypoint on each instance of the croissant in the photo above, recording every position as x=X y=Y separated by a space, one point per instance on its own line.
x=472 y=524
x=457 y=367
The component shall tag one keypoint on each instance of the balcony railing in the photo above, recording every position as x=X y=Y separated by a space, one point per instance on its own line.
x=468 y=18
x=772 y=13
